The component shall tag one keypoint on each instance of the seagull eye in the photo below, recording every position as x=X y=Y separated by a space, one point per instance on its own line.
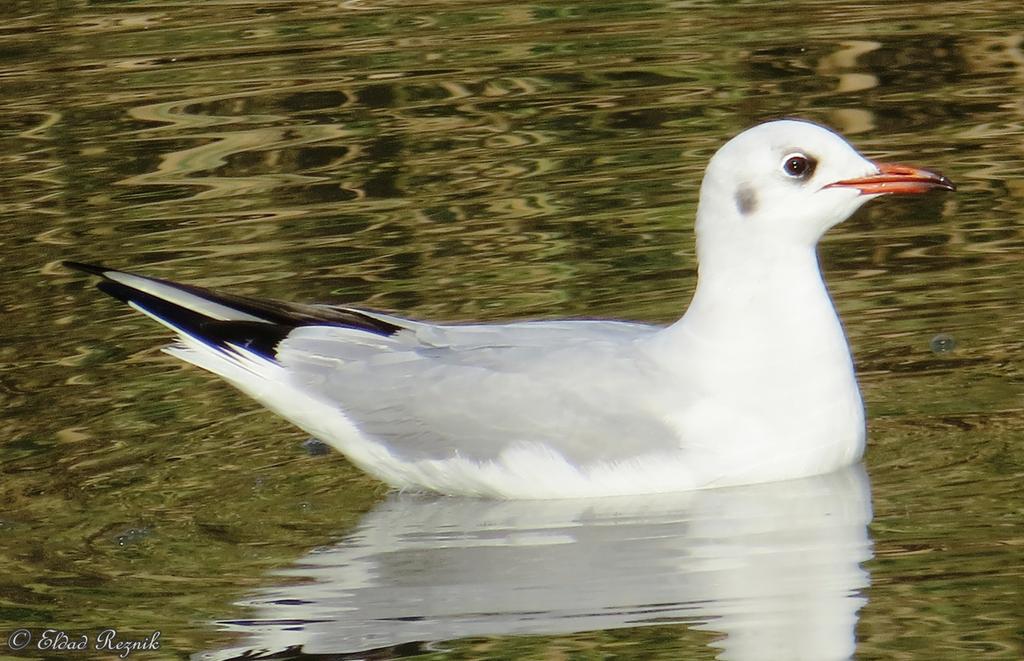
x=798 y=165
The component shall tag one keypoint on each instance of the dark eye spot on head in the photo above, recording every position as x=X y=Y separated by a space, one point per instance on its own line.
x=746 y=199
x=799 y=166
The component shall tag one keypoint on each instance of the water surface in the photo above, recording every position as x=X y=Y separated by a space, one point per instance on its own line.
x=483 y=160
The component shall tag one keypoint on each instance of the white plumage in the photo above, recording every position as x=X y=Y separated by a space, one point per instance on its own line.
x=754 y=383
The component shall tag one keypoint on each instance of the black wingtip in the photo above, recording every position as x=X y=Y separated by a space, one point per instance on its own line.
x=116 y=290
x=91 y=269
x=275 y=319
x=260 y=337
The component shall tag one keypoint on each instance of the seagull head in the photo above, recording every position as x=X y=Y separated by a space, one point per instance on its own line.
x=789 y=181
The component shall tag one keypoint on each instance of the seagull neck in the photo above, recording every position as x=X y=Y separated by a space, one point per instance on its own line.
x=758 y=288
x=757 y=264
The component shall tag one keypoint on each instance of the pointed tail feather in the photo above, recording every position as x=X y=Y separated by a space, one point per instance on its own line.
x=225 y=321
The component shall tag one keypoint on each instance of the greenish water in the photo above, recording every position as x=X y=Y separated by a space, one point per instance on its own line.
x=486 y=160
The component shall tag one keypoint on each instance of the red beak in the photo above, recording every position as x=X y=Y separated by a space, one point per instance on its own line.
x=899 y=179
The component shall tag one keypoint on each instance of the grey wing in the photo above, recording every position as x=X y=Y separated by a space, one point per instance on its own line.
x=433 y=392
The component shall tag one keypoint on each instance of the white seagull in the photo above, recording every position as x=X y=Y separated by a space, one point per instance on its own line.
x=754 y=383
